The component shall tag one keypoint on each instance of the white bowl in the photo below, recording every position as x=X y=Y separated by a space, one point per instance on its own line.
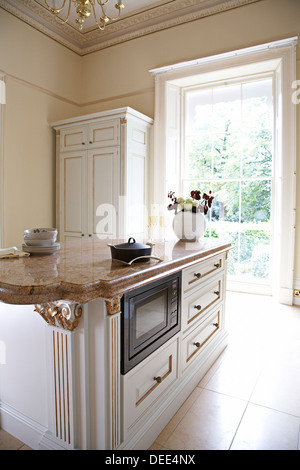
x=36 y=242
x=40 y=234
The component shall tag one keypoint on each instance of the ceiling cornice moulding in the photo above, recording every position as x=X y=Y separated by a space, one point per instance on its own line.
x=158 y=17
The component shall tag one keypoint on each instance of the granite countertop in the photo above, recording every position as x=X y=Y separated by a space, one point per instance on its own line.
x=82 y=270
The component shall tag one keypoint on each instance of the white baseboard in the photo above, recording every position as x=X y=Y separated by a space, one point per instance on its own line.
x=20 y=426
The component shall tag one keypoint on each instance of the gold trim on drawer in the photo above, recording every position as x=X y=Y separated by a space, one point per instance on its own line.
x=200 y=345
x=158 y=381
x=218 y=293
x=198 y=276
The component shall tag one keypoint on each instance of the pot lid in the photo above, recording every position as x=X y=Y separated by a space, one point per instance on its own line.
x=132 y=245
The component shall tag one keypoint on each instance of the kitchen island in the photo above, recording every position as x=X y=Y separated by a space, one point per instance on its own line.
x=78 y=293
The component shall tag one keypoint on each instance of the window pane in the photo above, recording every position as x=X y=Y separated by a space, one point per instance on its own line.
x=198 y=111
x=225 y=205
x=255 y=253
x=198 y=156
x=226 y=155
x=256 y=201
x=227 y=108
x=233 y=256
x=257 y=121
x=257 y=153
x=257 y=106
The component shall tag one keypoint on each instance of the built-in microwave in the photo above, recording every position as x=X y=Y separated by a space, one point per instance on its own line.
x=150 y=316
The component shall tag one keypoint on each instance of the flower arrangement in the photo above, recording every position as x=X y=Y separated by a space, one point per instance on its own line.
x=194 y=203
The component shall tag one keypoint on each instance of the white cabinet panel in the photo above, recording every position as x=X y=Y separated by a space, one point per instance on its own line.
x=73 y=194
x=196 y=305
x=194 y=343
x=103 y=191
x=104 y=134
x=73 y=138
x=136 y=197
x=148 y=381
x=88 y=136
x=194 y=276
x=137 y=179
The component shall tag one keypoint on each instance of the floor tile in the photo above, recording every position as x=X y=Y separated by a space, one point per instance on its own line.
x=169 y=428
x=236 y=377
x=9 y=442
x=265 y=429
x=279 y=388
x=210 y=423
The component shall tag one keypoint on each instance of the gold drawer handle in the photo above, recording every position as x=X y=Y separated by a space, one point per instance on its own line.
x=158 y=380
x=197 y=344
x=199 y=275
x=198 y=307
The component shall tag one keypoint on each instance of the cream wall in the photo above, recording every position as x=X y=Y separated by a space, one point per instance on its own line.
x=44 y=84
x=124 y=68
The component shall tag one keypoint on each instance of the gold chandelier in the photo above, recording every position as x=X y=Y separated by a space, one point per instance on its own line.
x=84 y=8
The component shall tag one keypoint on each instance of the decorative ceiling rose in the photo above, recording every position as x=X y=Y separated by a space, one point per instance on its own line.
x=84 y=8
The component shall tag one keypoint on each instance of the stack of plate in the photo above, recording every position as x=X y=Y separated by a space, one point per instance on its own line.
x=40 y=241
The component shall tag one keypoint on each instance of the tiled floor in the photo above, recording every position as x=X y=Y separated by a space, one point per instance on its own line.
x=250 y=398
x=9 y=442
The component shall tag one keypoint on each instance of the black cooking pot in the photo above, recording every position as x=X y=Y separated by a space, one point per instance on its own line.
x=131 y=251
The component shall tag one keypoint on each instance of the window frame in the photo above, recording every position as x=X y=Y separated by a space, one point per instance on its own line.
x=278 y=56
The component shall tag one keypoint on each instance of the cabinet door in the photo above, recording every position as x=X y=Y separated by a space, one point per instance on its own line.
x=73 y=198
x=104 y=134
x=103 y=192
x=73 y=138
x=137 y=177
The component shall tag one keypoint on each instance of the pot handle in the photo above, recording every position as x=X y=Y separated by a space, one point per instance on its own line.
x=131 y=238
x=146 y=256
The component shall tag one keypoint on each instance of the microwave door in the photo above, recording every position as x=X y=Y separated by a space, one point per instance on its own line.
x=148 y=319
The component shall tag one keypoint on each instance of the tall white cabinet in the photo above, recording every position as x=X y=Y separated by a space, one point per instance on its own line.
x=103 y=174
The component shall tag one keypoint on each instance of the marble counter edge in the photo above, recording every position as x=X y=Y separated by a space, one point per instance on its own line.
x=84 y=293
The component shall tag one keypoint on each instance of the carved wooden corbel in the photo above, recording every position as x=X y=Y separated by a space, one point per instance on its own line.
x=113 y=305
x=61 y=314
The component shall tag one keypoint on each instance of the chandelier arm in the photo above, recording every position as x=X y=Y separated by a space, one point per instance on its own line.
x=68 y=16
x=55 y=10
x=102 y=4
x=93 y=7
x=116 y=17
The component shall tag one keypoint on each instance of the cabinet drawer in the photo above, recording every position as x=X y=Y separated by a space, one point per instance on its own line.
x=144 y=384
x=196 y=305
x=200 y=272
x=194 y=342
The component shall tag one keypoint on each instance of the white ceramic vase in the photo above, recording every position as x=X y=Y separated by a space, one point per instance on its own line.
x=189 y=226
